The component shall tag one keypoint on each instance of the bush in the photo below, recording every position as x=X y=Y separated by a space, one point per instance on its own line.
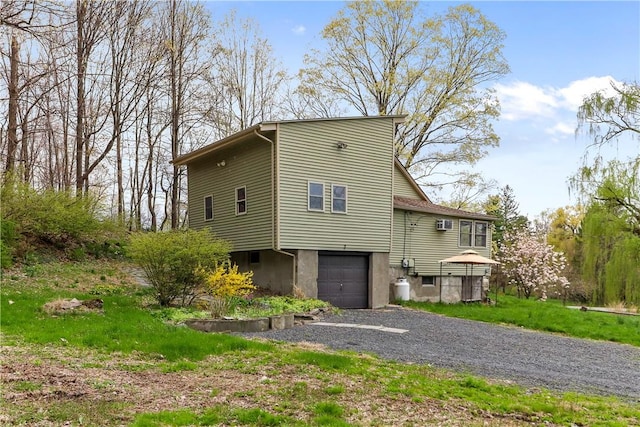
x=224 y=284
x=52 y=218
x=171 y=261
x=8 y=238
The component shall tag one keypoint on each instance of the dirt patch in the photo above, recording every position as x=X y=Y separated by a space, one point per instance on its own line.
x=40 y=379
x=62 y=306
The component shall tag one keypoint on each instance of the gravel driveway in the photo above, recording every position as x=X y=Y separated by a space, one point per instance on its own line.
x=529 y=358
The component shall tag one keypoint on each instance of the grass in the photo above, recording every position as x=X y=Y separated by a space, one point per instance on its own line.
x=134 y=369
x=124 y=325
x=547 y=316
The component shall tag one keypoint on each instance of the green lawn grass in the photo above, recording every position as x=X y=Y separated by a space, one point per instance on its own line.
x=548 y=316
x=124 y=325
x=320 y=387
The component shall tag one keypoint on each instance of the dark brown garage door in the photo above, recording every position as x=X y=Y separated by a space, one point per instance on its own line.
x=343 y=279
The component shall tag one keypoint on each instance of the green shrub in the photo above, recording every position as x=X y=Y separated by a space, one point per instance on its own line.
x=171 y=261
x=53 y=218
x=8 y=238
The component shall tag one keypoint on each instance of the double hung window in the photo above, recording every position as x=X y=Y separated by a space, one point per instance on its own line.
x=338 y=199
x=208 y=208
x=241 y=200
x=315 y=197
x=473 y=233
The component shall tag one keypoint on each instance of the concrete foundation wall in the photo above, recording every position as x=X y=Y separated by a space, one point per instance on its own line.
x=274 y=271
x=417 y=291
x=378 y=279
x=307 y=272
x=451 y=286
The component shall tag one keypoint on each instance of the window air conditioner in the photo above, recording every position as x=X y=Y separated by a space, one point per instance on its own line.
x=444 y=224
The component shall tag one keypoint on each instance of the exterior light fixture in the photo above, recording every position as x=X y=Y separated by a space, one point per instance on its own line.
x=221 y=164
x=341 y=145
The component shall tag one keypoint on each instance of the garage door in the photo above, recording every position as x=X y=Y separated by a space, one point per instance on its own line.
x=343 y=279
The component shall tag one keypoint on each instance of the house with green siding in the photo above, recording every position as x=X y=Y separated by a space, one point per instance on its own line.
x=324 y=207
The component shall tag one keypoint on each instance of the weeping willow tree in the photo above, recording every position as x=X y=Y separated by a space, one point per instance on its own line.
x=610 y=233
x=610 y=257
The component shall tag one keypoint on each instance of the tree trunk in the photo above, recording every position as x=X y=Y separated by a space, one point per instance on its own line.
x=81 y=9
x=175 y=115
x=12 y=131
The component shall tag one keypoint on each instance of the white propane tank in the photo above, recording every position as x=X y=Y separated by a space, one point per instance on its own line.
x=402 y=289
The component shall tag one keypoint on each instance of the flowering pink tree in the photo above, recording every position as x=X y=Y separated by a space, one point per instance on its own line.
x=531 y=264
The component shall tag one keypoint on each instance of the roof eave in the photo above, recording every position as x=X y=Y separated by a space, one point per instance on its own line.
x=218 y=145
x=412 y=181
x=435 y=211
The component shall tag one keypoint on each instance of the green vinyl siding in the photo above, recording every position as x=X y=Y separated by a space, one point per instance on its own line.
x=246 y=165
x=308 y=152
x=426 y=245
x=402 y=187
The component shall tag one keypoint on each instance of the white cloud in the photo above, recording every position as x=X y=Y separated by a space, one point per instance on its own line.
x=299 y=30
x=573 y=95
x=525 y=101
x=522 y=100
x=562 y=128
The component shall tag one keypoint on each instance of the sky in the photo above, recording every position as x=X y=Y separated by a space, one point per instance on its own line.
x=558 y=52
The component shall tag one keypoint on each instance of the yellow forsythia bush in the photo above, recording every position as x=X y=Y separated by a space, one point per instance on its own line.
x=225 y=281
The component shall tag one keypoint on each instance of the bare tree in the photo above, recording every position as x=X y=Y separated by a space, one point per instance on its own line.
x=388 y=58
x=25 y=71
x=90 y=18
x=249 y=75
x=12 y=89
x=127 y=77
x=23 y=15
x=186 y=31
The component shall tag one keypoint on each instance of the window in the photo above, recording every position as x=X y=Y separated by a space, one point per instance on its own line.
x=241 y=200
x=428 y=281
x=465 y=233
x=254 y=257
x=481 y=234
x=473 y=233
x=316 y=197
x=208 y=208
x=339 y=198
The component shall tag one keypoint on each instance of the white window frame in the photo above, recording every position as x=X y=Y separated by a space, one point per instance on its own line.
x=309 y=196
x=346 y=198
x=239 y=201
x=473 y=234
x=476 y=234
x=210 y=196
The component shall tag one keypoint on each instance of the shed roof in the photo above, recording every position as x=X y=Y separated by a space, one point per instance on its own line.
x=416 y=205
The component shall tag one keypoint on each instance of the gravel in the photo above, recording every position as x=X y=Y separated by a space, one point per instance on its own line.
x=531 y=359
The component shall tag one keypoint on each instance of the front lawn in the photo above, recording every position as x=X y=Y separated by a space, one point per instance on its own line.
x=123 y=365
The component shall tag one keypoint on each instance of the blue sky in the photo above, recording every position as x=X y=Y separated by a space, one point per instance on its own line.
x=558 y=52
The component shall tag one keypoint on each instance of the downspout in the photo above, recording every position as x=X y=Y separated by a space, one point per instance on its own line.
x=275 y=200
x=440 y=282
x=273 y=213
